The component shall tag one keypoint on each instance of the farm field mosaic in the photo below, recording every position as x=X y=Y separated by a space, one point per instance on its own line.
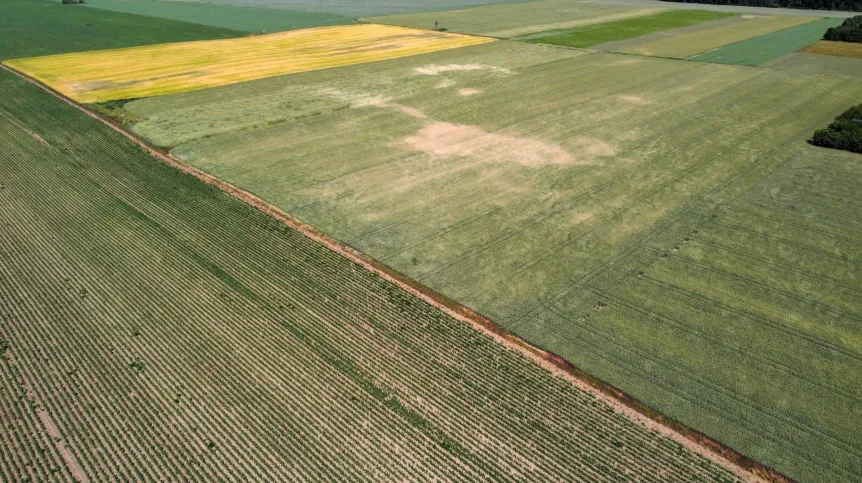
x=153 y=326
x=659 y=271
x=169 y=68
x=663 y=225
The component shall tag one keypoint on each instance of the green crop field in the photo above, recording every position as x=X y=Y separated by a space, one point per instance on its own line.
x=152 y=326
x=689 y=44
x=766 y=48
x=246 y=19
x=520 y=19
x=38 y=27
x=818 y=64
x=661 y=224
x=361 y=8
x=598 y=34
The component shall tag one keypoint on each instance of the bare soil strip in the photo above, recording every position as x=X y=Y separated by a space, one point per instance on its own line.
x=744 y=467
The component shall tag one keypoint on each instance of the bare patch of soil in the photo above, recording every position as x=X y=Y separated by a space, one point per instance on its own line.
x=635 y=100
x=459 y=140
x=443 y=84
x=468 y=91
x=434 y=69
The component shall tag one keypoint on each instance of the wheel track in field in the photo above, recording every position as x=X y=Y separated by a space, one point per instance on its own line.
x=701 y=444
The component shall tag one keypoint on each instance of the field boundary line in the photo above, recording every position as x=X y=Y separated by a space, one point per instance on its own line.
x=742 y=466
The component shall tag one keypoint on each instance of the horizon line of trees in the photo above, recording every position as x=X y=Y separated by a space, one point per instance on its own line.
x=849 y=31
x=842 y=5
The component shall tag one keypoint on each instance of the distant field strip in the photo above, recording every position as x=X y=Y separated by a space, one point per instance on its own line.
x=171 y=68
x=598 y=34
x=818 y=64
x=766 y=48
x=838 y=49
x=518 y=19
x=246 y=19
x=155 y=329
x=660 y=224
x=694 y=43
x=362 y=8
x=30 y=28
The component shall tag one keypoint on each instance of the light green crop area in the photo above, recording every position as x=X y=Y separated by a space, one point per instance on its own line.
x=661 y=224
x=246 y=19
x=765 y=48
x=517 y=19
x=692 y=43
x=153 y=326
x=30 y=28
x=597 y=34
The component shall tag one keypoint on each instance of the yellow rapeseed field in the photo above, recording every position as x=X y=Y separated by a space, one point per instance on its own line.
x=106 y=75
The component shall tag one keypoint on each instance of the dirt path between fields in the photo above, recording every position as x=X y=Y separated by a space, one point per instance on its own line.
x=746 y=469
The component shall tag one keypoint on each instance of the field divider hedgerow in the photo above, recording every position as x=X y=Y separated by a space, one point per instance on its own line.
x=742 y=466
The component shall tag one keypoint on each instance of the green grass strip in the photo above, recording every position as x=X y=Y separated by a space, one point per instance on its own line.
x=246 y=19
x=765 y=48
x=590 y=35
x=31 y=28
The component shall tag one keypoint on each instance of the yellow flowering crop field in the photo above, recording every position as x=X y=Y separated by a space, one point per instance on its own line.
x=147 y=71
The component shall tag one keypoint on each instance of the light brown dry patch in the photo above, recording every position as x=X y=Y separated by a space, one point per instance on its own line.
x=434 y=69
x=635 y=100
x=448 y=140
x=838 y=49
x=468 y=91
x=582 y=217
x=590 y=148
x=443 y=84
x=364 y=99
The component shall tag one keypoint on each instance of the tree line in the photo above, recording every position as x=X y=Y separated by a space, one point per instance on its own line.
x=845 y=5
x=845 y=132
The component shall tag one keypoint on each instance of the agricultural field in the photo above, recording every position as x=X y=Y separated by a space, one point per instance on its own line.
x=163 y=69
x=818 y=64
x=246 y=19
x=839 y=49
x=661 y=224
x=31 y=28
x=766 y=48
x=598 y=34
x=152 y=327
x=690 y=44
x=362 y=8
x=506 y=21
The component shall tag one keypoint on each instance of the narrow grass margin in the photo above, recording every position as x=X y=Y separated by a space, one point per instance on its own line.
x=745 y=468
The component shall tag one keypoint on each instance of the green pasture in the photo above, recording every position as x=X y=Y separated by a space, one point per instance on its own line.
x=661 y=224
x=766 y=48
x=31 y=28
x=154 y=326
x=243 y=18
x=591 y=35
